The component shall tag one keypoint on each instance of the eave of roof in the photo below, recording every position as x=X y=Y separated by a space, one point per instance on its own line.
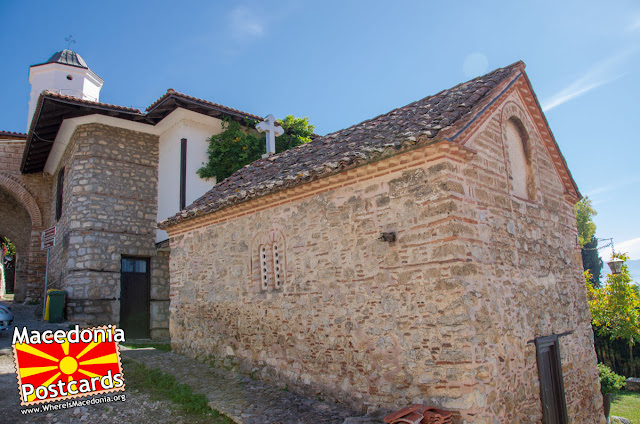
x=53 y=108
x=408 y=127
x=10 y=135
x=171 y=94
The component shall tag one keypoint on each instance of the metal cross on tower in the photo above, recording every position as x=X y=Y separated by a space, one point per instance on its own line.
x=269 y=126
x=70 y=40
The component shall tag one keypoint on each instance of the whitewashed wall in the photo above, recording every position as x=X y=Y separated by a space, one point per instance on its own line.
x=196 y=129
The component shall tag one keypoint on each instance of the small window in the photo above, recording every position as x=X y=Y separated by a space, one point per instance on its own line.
x=138 y=266
x=277 y=269
x=70 y=77
x=263 y=267
x=59 y=190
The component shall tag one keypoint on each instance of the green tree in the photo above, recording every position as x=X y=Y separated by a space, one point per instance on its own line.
x=615 y=307
x=591 y=261
x=587 y=240
x=586 y=227
x=238 y=145
x=297 y=131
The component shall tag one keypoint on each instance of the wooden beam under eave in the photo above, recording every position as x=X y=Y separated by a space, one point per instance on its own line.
x=39 y=148
x=38 y=156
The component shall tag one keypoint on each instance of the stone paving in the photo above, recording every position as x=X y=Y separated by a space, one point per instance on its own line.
x=243 y=399
x=24 y=316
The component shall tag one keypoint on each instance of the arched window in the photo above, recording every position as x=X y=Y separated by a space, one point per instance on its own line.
x=519 y=153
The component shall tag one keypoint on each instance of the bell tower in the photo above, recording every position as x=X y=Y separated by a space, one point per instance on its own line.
x=65 y=73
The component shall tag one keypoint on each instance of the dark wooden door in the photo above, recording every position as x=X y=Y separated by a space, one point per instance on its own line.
x=134 y=297
x=554 y=408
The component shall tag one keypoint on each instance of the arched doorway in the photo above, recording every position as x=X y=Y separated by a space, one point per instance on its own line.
x=21 y=222
x=15 y=224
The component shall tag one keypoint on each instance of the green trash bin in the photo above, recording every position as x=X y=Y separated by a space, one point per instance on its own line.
x=56 y=305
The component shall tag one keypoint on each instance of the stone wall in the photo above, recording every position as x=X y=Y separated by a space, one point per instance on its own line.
x=109 y=210
x=160 y=295
x=32 y=194
x=445 y=315
x=526 y=279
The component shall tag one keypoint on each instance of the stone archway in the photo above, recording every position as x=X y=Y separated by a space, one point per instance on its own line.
x=22 y=221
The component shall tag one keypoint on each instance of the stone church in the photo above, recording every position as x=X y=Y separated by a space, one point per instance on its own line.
x=427 y=255
x=103 y=175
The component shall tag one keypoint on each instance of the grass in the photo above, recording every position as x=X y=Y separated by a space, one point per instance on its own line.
x=165 y=347
x=165 y=386
x=627 y=404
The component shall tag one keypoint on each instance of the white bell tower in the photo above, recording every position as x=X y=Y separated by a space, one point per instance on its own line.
x=65 y=73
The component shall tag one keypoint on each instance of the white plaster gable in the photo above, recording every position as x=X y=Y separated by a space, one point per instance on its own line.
x=196 y=132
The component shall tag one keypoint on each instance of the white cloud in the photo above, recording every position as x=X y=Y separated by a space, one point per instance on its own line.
x=630 y=247
x=602 y=73
x=246 y=24
x=634 y=26
x=599 y=190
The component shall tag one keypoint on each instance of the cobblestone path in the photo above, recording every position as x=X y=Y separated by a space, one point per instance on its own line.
x=243 y=399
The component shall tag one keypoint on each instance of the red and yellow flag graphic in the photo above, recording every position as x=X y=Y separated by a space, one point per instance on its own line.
x=74 y=368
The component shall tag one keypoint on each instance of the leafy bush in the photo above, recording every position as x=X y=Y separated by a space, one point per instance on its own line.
x=230 y=150
x=238 y=145
x=610 y=382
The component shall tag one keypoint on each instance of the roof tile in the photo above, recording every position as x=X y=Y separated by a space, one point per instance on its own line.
x=89 y=102
x=172 y=92
x=383 y=135
x=11 y=134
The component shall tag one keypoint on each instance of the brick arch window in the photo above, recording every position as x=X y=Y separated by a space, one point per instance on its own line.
x=519 y=152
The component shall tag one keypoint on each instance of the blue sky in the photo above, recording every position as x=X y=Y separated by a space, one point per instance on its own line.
x=340 y=62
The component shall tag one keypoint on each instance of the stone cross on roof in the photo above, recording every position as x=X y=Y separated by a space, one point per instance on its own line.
x=70 y=40
x=269 y=126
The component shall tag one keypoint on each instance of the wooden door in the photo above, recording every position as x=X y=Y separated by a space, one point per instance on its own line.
x=134 y=297
x=554 y=408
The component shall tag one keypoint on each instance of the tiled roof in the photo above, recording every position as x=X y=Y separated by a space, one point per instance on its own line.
x=12 y=135
x=171 y=92
x=53 y=108
x=385 y=135
x=53 y=94
x=66 y=57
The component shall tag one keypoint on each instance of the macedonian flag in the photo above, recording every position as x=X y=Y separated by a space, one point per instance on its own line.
x=60 y=365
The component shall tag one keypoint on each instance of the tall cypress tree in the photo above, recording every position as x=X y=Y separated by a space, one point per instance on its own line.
x=591 y=261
